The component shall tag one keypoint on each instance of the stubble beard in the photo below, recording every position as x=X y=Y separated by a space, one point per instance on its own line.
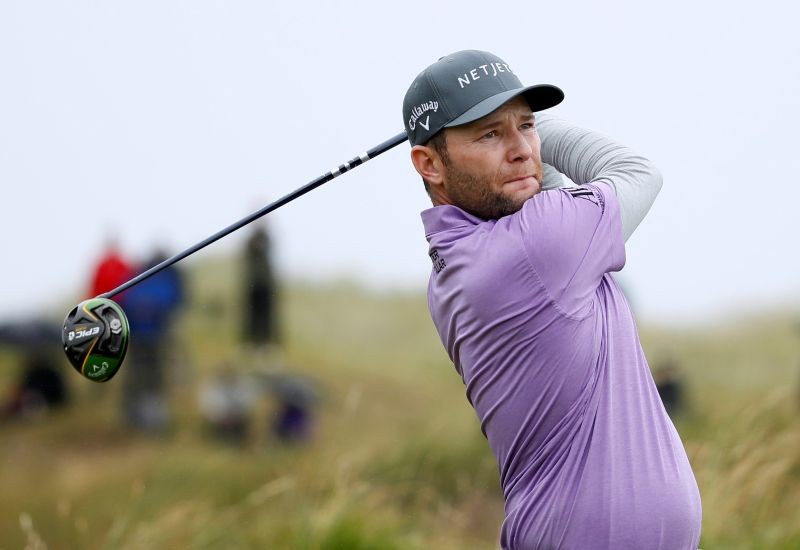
x=474 y=194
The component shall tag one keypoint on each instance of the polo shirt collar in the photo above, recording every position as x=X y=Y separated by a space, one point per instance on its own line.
x=442 y=218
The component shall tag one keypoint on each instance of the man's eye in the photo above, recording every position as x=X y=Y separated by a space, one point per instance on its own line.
x=489 y=135
x=528 y=126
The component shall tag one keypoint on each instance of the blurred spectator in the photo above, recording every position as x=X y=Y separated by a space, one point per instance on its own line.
x=150 y=306
x=40 y=388
x=226 y=404
x=111 y=271
x=670 y=385
x=229 y=403
x=260 y=291
x=40 y=385
x=296 y=398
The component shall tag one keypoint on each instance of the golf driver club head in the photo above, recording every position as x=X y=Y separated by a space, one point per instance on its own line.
x=95 y=338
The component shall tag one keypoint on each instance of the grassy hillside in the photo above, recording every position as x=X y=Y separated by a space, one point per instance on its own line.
x=398 y=460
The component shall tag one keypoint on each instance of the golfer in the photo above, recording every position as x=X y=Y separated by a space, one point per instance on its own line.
x=522 y=296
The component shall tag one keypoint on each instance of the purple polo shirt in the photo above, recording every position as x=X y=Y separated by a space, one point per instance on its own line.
x=546 y=345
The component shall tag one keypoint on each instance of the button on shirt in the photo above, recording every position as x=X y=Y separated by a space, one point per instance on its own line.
x=546 y=345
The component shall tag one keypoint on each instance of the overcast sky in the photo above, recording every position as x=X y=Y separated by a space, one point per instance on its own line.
x=165 y=121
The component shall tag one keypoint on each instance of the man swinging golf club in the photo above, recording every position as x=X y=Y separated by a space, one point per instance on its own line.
x=523 y=301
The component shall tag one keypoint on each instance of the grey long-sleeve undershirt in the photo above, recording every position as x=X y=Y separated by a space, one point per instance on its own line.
x=586 y=156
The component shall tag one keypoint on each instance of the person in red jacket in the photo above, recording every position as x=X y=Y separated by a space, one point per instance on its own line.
x=112 y=270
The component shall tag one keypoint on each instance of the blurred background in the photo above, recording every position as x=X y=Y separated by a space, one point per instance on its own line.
x=300 y=397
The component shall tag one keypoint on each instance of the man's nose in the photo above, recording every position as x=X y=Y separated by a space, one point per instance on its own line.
x=519 y=149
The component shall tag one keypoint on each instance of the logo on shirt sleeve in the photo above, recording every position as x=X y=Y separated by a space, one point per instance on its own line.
x=582 y=193
x=438 y=262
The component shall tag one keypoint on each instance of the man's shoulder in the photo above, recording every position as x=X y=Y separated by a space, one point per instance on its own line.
x=594 y=192
x=559 y=213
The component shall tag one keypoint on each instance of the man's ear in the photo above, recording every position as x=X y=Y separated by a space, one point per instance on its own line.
x=428 y=164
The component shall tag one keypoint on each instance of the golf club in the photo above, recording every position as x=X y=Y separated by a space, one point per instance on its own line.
x=96 y=332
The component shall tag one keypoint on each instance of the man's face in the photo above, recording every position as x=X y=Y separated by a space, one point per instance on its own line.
x=493 y=165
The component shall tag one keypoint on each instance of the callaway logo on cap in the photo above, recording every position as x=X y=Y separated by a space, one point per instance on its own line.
x=463 y=87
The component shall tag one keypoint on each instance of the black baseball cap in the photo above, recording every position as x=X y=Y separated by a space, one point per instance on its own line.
x=463 y=87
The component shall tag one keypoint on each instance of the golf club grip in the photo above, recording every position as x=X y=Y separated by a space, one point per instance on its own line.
x=341 y=169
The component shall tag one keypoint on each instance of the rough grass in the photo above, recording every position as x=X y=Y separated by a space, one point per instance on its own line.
x=398 y=460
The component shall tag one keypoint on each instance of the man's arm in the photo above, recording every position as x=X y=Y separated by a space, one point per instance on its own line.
x=586 y=156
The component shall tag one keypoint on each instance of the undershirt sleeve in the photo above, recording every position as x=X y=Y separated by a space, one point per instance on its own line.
x=586 y=156
x=552 y=178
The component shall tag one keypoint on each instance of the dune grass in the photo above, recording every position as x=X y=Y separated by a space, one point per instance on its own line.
x=397 y=460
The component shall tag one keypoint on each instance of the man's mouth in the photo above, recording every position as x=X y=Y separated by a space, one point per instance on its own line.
x=520 y=179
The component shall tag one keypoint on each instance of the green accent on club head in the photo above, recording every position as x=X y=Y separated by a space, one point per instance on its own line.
x=95 y=338
x=100 y=368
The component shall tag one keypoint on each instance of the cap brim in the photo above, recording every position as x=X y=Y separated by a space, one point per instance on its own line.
x=539 y=96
